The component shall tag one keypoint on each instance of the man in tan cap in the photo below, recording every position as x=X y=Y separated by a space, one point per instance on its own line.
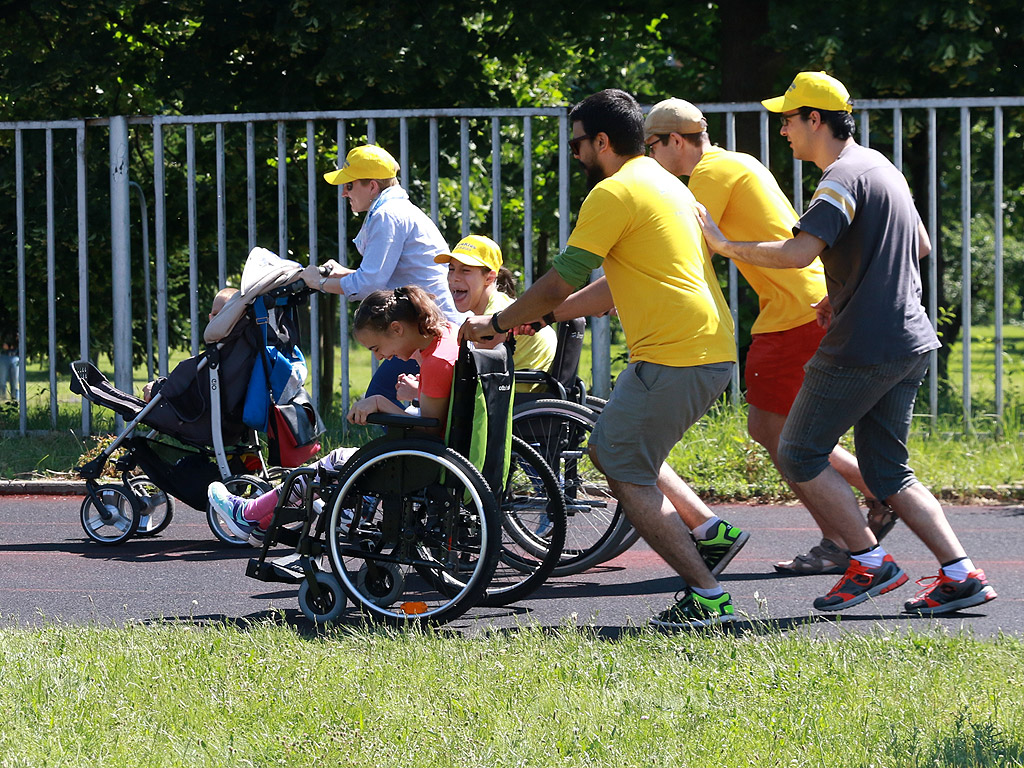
x=398 y=243
x=863 y=225
x=743 y=197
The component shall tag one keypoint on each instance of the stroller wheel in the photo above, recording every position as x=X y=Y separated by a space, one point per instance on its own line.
x=156 y=508
x=329 y=605
x=240 y=485
x=109 y=515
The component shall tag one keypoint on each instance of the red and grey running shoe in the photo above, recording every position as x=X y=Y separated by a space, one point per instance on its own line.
x=861 y=582
x=941 y=594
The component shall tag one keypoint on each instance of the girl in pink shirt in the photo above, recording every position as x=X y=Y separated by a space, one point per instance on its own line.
x=403 y=323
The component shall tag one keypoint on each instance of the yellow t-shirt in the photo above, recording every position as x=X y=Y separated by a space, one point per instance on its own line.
x=533 y=353
x=744 y=199
x=641 y=221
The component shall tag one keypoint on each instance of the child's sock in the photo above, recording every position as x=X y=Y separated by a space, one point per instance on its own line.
x=261 y=508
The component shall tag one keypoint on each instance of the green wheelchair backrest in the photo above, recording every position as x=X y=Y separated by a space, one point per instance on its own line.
x=480 y=410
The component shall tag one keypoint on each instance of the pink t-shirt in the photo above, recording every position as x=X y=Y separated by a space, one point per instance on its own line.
x=437 y=364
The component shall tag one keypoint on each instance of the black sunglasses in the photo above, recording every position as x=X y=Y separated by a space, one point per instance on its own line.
x=658 y=137
x=574 y=144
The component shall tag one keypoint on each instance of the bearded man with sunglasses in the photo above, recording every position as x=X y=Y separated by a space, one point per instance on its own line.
x=397 y=242
x=638 y=223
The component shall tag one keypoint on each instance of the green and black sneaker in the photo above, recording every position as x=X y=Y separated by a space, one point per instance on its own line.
x=722 y=546
x=693 y=611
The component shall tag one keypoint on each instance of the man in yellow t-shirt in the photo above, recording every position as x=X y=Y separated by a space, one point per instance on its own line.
x=744 y=198
x=636 y=223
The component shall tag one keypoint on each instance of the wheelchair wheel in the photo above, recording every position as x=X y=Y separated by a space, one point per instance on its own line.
x=109 y=515
x=414 y=533
x=329 y=605
x=240 y=485
x=627 y=538
x=156 y=507
x=559 y=431
x=532 y=527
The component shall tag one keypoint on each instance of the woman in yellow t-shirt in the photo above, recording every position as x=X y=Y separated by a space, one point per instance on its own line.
x=481 y=285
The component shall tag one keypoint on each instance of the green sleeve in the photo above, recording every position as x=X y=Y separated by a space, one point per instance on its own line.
x=574 y=265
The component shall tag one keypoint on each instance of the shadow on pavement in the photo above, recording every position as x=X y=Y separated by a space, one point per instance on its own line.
x=135 y=550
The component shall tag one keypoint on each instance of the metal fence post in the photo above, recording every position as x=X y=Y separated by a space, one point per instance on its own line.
x=144 y=217
x=120 y=256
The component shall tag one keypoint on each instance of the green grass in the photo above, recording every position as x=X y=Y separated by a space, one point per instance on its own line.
x=262 y=695
x=717 y=457
x=983 y=366
x=722 y=462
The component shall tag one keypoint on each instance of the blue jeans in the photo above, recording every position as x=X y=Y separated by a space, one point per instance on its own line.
x=876 y=400
x=9 y=373
x=385 y=379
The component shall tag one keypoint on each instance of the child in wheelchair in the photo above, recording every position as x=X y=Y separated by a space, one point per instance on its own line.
x=426 y=520
x=403 y=323
x=481 y=285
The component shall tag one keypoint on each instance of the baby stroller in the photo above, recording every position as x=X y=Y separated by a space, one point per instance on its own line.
x=196 y=416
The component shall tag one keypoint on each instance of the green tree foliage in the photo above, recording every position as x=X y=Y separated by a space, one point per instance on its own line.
x=65 y=59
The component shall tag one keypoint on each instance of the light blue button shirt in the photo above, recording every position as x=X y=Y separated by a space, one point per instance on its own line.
x=398 y=243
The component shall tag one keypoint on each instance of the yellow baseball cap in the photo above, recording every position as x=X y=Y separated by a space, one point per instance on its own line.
x=812 y=89
x=476 y=251
x=365 y=162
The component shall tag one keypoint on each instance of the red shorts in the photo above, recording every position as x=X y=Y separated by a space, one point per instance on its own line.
x=775 y=365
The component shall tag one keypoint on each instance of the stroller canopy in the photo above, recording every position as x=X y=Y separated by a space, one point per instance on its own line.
x=264 y=272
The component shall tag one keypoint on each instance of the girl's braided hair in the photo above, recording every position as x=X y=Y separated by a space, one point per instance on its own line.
x=408 y=304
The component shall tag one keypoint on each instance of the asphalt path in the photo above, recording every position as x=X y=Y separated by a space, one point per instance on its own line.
x=49 y=571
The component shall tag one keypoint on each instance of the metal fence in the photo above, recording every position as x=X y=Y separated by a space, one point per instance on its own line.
x=193 y=168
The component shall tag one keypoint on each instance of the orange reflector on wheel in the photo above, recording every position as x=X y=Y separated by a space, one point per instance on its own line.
x=413 y=607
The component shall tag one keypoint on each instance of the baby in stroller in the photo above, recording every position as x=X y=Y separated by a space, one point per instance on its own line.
x=219 y=300
x=404 y=323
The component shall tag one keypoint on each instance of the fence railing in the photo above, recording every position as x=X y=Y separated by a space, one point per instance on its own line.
x=502 y=170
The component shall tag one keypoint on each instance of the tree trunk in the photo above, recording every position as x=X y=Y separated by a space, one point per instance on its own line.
x=749 y=66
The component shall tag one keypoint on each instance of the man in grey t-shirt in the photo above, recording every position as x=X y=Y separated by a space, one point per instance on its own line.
x=872 y=360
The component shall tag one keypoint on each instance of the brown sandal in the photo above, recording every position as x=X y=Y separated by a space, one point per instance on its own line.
x=881 y=518
x=824 y=558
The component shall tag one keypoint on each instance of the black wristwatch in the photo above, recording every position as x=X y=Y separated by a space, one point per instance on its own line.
x=549 y=318
x=494 y=324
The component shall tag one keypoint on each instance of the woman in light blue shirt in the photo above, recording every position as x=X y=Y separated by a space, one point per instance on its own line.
x=397 y=242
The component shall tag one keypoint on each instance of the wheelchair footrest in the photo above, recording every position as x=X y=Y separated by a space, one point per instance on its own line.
x=287 y=570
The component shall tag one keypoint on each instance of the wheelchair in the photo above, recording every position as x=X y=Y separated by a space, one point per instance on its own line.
x=413 y=529
x=557 y=422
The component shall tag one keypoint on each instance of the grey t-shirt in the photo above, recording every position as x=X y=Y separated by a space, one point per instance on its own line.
x=863 y=211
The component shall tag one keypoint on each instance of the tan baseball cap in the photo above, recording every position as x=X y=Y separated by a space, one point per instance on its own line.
x=812 y=89
x=365 y=162
x=476 y=251
x=674 y=116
